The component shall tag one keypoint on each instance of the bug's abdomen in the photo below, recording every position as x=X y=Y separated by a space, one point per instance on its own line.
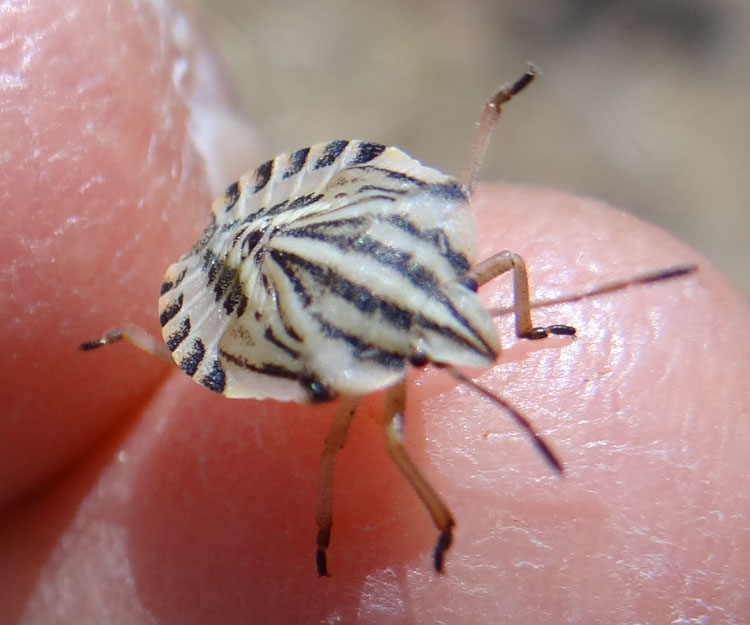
x=327 y=279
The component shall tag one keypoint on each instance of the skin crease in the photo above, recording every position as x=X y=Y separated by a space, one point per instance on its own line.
x=132 y=495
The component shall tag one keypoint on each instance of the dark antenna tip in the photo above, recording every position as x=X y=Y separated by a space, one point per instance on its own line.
x=520 y=420
x=668 y=273
x=546 y=452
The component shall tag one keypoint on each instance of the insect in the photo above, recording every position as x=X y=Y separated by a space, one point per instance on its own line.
x=328 y=271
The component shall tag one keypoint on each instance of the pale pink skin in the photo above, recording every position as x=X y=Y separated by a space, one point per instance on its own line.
x=132 y=495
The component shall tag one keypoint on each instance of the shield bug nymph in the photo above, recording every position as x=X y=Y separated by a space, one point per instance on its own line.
x=325 y=273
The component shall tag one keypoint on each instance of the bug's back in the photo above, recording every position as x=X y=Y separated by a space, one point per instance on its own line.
x=322 y=272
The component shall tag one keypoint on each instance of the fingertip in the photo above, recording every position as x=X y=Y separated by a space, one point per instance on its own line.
x=105 y=183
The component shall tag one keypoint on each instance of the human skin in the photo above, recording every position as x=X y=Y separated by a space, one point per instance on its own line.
x=132 y=495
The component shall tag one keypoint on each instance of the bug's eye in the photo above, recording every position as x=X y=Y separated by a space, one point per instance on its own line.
x=470 y=283
x=418 y=359
x=316 y=390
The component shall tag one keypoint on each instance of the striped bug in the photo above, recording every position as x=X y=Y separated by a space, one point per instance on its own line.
x=327 y=271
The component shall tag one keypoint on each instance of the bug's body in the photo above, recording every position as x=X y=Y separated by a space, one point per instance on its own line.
x=322 y=273
x=328 y=270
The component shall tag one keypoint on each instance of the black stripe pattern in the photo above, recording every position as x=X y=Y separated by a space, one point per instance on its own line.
x=324 y=272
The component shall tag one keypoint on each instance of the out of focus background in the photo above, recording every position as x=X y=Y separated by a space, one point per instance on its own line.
x=643 y=103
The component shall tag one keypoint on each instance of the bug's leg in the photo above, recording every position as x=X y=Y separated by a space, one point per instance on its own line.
x=335 y=440
x=486 y=124
x=393 y=424
x=140 y=338
x=499 y=264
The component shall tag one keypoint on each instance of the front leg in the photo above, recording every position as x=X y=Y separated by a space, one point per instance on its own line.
x=499 y=264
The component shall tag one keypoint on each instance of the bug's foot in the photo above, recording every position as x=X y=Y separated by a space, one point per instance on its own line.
x=542 y=332
x=109 y=337
x=321 y=562
x=443 y=544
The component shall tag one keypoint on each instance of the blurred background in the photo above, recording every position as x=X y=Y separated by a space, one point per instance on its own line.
x=643 y=103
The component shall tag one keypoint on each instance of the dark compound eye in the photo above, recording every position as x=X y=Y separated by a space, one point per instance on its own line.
x=317 y=391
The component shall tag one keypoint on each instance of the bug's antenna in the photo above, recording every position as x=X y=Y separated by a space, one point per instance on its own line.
x=486 y=124
x=658 y=275
x=522 y=421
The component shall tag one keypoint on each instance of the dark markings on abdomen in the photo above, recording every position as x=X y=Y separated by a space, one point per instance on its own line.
x=263 y=175
x=360 y=349
x=179 y=335
x=385 y=255
x=171 y=310
x=297 y=161
x=436 y=237
x=231 y=195
x=215 y=380
x=393 y=175
x=235 y=299
x=330 y=153
x=280 y=258
x=250 y=241
x=276 y=371
x=304 y=200
x=356 y=294
x=290 y=331
x=447 y=191
x=168 y=286
x=271 y=338
x=374 y=187
x=226 y=278
x=192 y=361
x=421 y=320
x=367 y=152
x=210 y=265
